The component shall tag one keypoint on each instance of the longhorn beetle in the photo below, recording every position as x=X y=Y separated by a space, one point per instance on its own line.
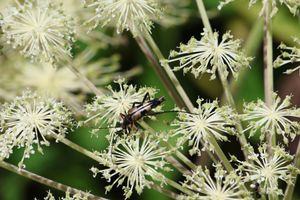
x=138 y=111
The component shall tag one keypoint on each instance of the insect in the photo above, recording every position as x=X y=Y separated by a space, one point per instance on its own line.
x=138 y=111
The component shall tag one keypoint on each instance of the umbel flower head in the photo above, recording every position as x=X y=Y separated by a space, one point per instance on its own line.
x=208 y=120
x=135 y=163
x=210 y=55
x=222 y=186
x=130 y=15
x=109 y=107
x=289 y=55
x=275 y=119
x=265 y=170
x=30 y=120
x=39 y=30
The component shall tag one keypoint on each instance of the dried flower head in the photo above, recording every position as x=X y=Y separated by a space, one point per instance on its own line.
x=208 y=120
x=30 y=119
x=108 y=108
x=275 y=119
x=289 y=55
x=135 y=163
x=223 y=186
x=209 y=55
x=130 y=15
x=265 y=170
x=39 y=29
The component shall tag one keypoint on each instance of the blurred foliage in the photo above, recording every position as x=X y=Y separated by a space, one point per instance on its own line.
x=66 y=166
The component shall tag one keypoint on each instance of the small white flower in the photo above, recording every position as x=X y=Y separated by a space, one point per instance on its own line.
x=29 y=120
x=209 y=55
x=289 y=55
x=275 y=119
x=135 y=162
x=39 y=29
x=108 y=108
x=133 y=15
x=266 y=170
x=222 y=187
x=208 y=120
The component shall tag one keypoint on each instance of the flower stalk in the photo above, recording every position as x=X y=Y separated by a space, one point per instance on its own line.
x=46 y=181
x=268 y=64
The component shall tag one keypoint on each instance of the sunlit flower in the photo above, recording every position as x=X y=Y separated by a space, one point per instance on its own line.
x=289 y=55
x=208 y=120
x=223 y=186
x=30 y=119
x=275 y=119
x=135 y=163
x=109 y=107
x=265 y=170
x=39 y=29
x=133 y=15
x=209 y=55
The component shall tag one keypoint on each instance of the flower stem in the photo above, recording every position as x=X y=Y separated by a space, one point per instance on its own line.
x=46 y=181
x=79 y=149
x=180 y=91
x=230 y=100
x=84 y=79
x=203 y=15
x=291 y=186
x=166 y=81
x=178 y=187
x=164 y=191
x=268 y=66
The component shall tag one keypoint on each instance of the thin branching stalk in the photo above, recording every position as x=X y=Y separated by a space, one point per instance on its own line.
x=84 y=79
x=291 y=186
x=80 y=149
x=159 y=71
x=167 y=69
x=203 y=15
x=46 y=181
x=268 y=65
x=164 y=191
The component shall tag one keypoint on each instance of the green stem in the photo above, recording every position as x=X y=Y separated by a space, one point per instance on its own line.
x=84 y=79
x=164 y=191
x=291 y=186
x=268 y=66
x=182 y=94
x=46 y=181
x=179 y=187
x=79 y=149
x=159 y=71
x=230 y=100
x=203 y=15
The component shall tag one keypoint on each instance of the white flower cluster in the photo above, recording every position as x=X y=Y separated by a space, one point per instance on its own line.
x=209 y=55
x=130 y=15
x=276 y=119
x=31 y=120
x=136 y=162
x=208 y=120
x=39 y=30
x=68 y=196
